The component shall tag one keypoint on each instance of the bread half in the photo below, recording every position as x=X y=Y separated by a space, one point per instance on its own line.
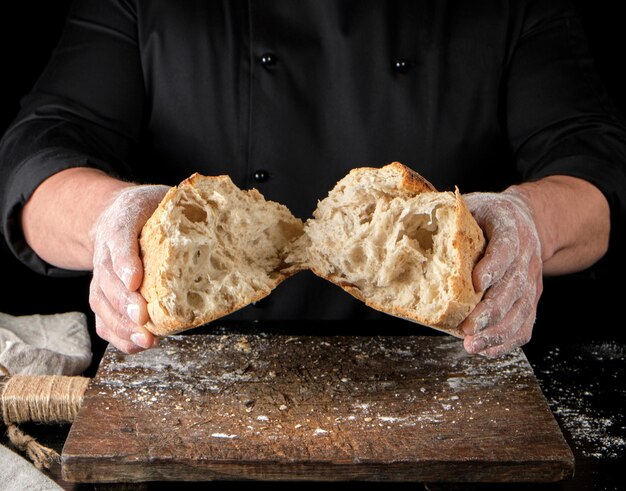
x=387 y=237
x=211 y=248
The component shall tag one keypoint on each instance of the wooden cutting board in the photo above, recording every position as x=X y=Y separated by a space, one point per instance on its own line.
x=275 y=407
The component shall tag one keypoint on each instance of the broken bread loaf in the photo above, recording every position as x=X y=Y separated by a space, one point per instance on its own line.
x=387 y=237
x=211 y=248
x=384 y=235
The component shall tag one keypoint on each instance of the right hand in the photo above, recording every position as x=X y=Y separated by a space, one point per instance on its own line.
x=120 y=310
x=510 y=273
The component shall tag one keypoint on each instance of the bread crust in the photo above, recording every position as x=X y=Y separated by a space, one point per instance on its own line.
x=406 y=179
x=154 y=251
x=411 y=181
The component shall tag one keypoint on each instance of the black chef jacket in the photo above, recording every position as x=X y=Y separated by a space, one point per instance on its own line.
x=287 y=96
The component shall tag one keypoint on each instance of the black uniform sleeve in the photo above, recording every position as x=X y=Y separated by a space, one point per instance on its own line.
x=85 y=110
x=559 y=117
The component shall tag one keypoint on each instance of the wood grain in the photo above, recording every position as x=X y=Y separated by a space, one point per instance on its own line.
x=397 y=408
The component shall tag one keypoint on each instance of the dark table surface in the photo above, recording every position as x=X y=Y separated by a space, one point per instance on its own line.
x=581 y=378
x=578 y=352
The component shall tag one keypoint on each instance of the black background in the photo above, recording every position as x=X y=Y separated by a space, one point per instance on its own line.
x=575 y=311
x=580 y=305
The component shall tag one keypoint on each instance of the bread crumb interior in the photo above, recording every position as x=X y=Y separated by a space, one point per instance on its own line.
x=226 y=248
x=392 y=247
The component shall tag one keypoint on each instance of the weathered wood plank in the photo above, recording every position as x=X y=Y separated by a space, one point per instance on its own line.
x=205 y=407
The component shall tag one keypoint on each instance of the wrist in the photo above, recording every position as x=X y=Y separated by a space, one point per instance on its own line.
x=572 y=220
x=109 y=192
x=59 y=216
x=530 y=198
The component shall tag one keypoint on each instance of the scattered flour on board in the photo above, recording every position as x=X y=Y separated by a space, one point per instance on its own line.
x=596 y=431
x=598 y=434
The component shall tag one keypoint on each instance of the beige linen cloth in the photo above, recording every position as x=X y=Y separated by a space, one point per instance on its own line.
x=55 y=344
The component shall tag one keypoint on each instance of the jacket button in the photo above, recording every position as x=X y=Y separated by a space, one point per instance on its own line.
x=268 y=60
x=261 y=175
x=401 y=65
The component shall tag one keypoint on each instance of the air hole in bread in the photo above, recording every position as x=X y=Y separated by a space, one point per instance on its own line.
x=421 y=228
x=365 y=215
x=356 y=256
x=195 y=300
x=195 y=256
x=217 y=263
x=193 y=213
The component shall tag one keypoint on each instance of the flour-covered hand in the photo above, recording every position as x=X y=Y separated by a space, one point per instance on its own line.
x=118 y=271
x=510 y=272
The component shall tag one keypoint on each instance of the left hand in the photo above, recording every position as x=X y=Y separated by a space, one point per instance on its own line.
x=510 y=273
x=114 y=297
